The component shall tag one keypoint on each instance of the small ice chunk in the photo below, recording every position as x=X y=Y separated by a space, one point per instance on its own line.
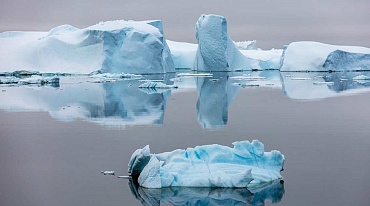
x=361 y=77
x=195 y=74
x=248 y=78
x=301 y=78
x=107 y=172
x=323 y=83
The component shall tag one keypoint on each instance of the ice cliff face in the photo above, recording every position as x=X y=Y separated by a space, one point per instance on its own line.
x=114 y=47
x=217 y=52
x=207 y=166
x=315 y=56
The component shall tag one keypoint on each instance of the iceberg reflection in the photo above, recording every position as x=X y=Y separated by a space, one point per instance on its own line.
x=320 y=85
x=272 y=192
x=215 y=93
x=111 y=101
x=118 y=103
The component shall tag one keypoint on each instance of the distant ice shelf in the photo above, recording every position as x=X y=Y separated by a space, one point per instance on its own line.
x=315 y=56
x=244 y=165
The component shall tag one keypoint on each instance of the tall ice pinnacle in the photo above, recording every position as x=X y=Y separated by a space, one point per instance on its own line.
x=216 y=51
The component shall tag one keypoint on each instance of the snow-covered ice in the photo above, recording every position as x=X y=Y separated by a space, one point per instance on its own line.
x=183 y=54
x=315 y=56
x=244 y=165
x=109 y=47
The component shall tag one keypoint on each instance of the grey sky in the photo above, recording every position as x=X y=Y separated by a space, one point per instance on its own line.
x=271 y=23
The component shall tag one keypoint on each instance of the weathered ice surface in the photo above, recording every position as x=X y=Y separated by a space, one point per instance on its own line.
x=217 y=52
x=244 y=165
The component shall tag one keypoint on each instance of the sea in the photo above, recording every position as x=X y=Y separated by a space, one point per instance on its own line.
x=69 y=142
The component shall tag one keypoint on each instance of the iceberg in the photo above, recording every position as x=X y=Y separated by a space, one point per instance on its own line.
x=272 y=192
x=315 y=56
x=244 y=165
x=217 y=52
x=136 y=47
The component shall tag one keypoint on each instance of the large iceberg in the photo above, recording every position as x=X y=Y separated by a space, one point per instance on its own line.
x=107 y=47
x=315 y=56
x=244 y=165
x=217 y=52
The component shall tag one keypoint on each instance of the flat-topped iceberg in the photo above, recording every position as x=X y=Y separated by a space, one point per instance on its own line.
x=109 y=47
x=244 y=165
x=217 y=52
x=315 y=56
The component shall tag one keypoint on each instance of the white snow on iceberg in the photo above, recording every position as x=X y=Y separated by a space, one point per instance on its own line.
x=315 y=56
x=217 y=52
x=183 y=54
x=244 y=165
x=110 y=47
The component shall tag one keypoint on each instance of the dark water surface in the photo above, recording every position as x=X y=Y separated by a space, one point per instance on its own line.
x=53 y=150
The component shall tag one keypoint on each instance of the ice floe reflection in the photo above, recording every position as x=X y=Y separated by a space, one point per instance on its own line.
x=120 y=100
x=272 y=192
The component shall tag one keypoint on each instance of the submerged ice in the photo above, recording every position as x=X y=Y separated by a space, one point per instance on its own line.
x=244 y=165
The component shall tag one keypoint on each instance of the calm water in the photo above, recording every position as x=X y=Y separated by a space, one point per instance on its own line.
x=56 y=139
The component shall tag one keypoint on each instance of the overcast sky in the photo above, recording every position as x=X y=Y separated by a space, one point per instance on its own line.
x=271 y=23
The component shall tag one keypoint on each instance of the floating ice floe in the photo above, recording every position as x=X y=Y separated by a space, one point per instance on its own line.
x=248 y=78
x=33 y=80
x=158 y=85
x=244 y=165
x=108 y=172
x=361 y=77
x=194 y=75
x=323 y=83
x=113 y=77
